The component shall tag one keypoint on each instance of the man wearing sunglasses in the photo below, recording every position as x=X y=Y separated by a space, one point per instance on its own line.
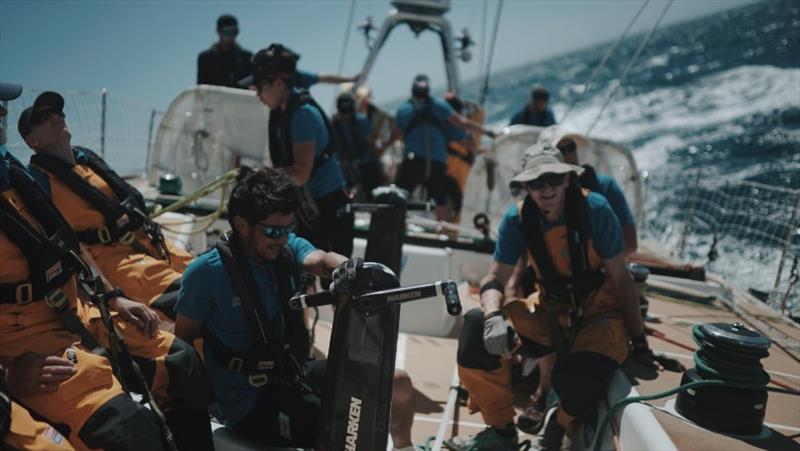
x=235 y=297
x=225 y=63
x=587 y=305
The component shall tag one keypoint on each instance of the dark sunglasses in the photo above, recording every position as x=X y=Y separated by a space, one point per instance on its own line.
x=229 y=31
x=276 y=232
x=549 y=180
x=43 y=116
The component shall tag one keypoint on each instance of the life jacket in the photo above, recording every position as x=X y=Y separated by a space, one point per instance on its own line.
x=270 y=358
x=423 y=114
x=280 y=137
x=360 y=145
x=588 y=179
x=122 y=218
x=564 y=287
x=46 y=245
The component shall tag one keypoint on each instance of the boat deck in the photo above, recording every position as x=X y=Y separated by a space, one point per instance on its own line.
x=431 y=363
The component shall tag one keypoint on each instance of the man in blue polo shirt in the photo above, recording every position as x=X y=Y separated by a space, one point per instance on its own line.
x=255 y=361
x=301 y=143
x=353 y=130
x=422 y=120
x=536 y=112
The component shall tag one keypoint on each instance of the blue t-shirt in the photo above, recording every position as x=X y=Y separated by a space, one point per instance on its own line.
x=308 y=125
x=206 y=296
x=613 y=193
x=363 y=128
x=305 y=80
x=606 y=233
x=425 y=140
x=453 y=133
x=527 y=117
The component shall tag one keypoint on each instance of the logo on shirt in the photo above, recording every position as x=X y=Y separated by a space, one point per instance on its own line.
x=237 y=301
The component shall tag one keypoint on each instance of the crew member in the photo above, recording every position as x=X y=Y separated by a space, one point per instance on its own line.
x=461 y=151
x=108 y=214
x=266 y=389
x=49 y=370
x=422 y=121
x=536 y=112
x=225 y=63
x=587 y=303
x=353 y=130
x=302 y=143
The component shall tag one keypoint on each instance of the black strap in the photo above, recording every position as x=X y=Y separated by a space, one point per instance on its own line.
x=468 y=158
x=120 y=216
x=266 y=346
x=280 y=137
x=423 y=113
x=589 y=178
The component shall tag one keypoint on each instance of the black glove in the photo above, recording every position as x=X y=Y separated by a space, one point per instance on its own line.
x=641 y=353
x=344 y=276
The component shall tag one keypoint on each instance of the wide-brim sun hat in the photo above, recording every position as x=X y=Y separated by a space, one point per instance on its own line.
x=539 y=159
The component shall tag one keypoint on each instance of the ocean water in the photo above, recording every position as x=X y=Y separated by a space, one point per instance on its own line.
x=711 y=105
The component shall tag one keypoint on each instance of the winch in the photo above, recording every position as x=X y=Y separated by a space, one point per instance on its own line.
x=731 y=353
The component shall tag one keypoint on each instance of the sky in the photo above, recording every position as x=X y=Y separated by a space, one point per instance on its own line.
x=146 y=51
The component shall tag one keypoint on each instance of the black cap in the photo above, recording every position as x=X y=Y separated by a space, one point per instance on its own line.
x=45 y=102
x=346 y=103
x=226 y=20
x=9 y=91
x=421 y=88
x=275 y=61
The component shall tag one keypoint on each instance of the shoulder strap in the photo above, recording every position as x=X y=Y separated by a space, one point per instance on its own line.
x=423 y=114
x=280 y=136
x=245 y=287
x=534 y=238
x=288 y=276
x=589 y=178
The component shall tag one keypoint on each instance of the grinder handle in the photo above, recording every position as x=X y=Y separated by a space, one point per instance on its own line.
x=451 y=299
x=312 y=300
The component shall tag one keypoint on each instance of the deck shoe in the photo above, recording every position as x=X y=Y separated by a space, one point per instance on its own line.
x=553 y=436
x=490 y=439
x=532 y=418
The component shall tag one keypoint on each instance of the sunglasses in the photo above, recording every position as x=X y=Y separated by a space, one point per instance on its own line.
x=276 y=232
x=549 y=180
x=229 y=31
x=44 y=116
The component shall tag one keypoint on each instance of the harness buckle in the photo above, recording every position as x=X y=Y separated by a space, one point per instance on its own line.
x=104 y=235
x=257 y=380
x=24 y=294
x=127 y=238
x=263 y=365
x=57 y=300
x=236 y=364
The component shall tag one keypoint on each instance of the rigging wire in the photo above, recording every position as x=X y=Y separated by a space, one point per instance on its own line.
x=630 y=64
x=347 y=32
x=488 y=71
x=588 y=85
x=482 y=49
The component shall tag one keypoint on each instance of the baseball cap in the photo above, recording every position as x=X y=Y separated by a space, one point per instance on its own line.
x=45 y=102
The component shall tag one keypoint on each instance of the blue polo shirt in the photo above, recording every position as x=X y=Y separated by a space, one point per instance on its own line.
x=308 y=125
x=606 y=233
x=363 y=128
x=206 y=295
x=425 y=140
x=613 y=193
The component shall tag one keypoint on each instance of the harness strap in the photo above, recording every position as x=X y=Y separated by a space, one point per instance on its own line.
x=466 y=158
x=423 y=114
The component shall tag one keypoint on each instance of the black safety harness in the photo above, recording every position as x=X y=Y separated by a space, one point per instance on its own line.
x=280 y=138
x=589 y=178
x=271 y=359
x=563 y=294
x=350 y=155
x=423 y=114
x=122 y=218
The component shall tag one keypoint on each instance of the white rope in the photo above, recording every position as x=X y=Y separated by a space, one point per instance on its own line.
x=631 y=62
x=588 y=85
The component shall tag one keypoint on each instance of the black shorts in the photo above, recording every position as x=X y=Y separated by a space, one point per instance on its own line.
x=287 y=414
x=413 y=173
